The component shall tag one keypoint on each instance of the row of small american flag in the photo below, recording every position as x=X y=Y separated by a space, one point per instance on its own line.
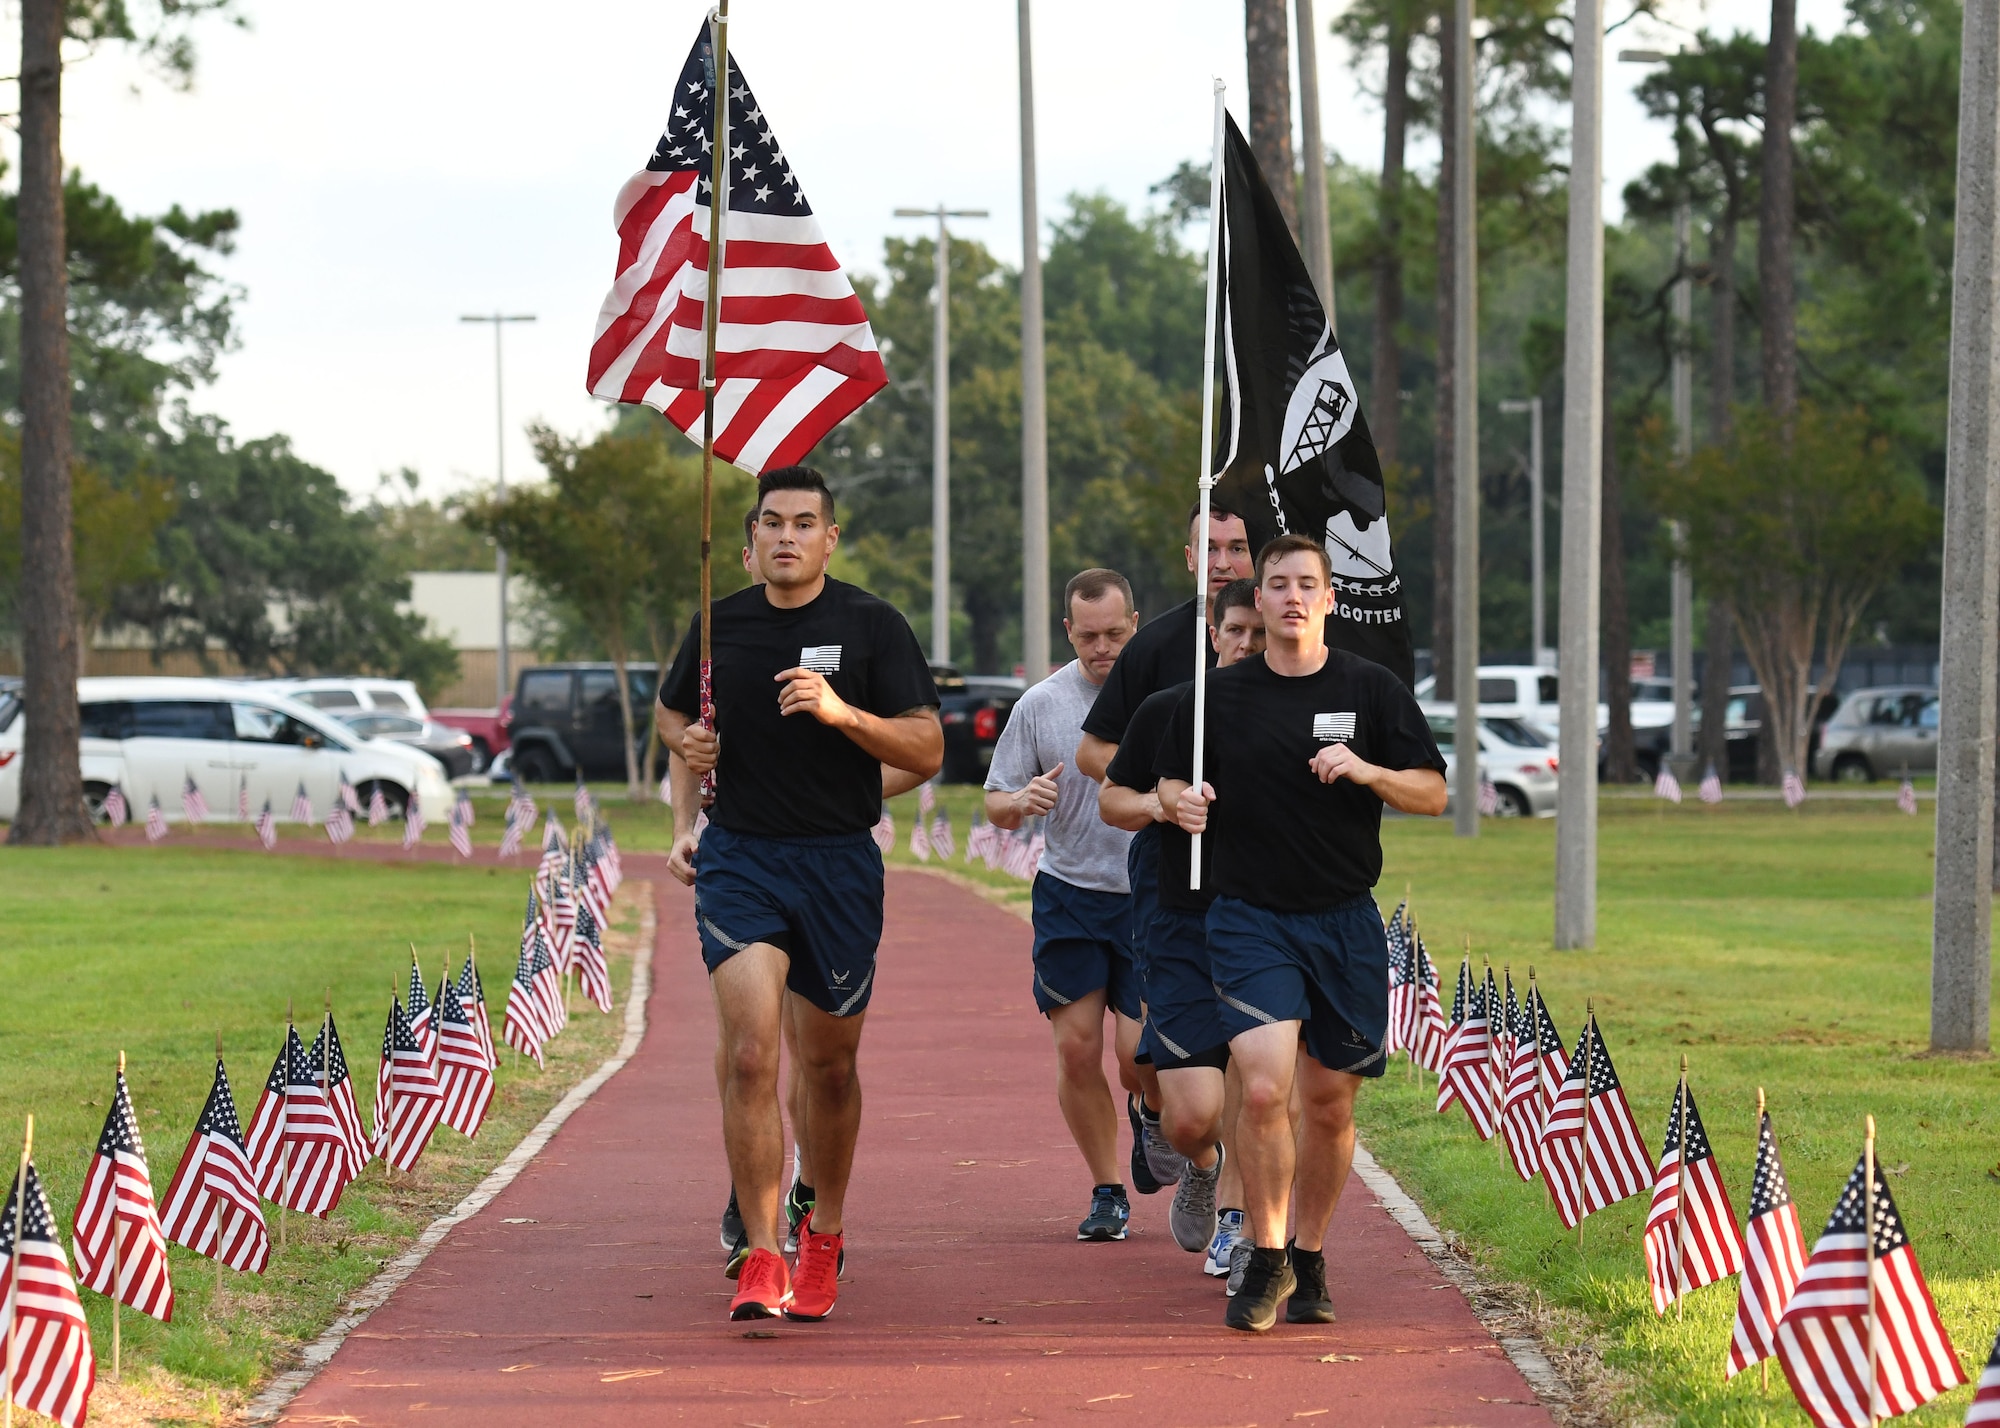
x=562 y=932
x=1791 y=788
x=1564 y=1116
x=1015 y=851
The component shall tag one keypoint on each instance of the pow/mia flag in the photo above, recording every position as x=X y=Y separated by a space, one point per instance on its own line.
x=1292 y=448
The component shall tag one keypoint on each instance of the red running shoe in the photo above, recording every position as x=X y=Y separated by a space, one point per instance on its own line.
x=817 y=1283
x=763 y=1288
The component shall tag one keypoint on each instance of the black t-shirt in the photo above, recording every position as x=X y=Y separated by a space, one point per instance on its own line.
x=1284 y=840
x=1160 y=656
x=790 y=776
x=1132 y=767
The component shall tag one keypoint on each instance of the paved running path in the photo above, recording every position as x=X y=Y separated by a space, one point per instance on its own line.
x=609 y=1305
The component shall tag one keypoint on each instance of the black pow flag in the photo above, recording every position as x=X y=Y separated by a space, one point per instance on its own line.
x=1292 y=449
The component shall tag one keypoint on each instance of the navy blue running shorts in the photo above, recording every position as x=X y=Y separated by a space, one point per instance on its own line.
x=1183 y=1014
x=1329 y=970
x=1083 y=944
x=818 y=900
x=1142 y=873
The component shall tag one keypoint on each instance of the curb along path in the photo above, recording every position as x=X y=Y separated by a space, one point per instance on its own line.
x=589 y=1289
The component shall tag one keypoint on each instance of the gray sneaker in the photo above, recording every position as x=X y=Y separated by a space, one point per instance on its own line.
x=1192 y=1215
x=1239 y=1261
x=1167 y=1164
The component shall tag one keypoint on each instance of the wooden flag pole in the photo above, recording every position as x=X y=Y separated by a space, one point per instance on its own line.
x=284 y=1126
x=1868 y=1229
x=388 y=1129
x=215 y=1201
x=1764 y=1363
x=1583 y=1165
x=14 y=1274
x=117 y=1264
x=1680 y=1195
x=1207 y=481
x=711 y=310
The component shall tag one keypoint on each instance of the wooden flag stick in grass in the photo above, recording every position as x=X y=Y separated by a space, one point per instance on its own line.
x=14 y=1276
x=1583 y=1172
x=215 y=1213
x=1868 y=1233
x=117 y=1271
x=284 y=1128
x=1763 y=1364
x=1681 y=1196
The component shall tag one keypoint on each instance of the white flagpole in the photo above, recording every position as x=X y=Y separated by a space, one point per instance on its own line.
x=1207 y=477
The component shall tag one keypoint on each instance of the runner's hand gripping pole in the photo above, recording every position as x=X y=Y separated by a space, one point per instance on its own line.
x=1207 y=477
x=718 y=205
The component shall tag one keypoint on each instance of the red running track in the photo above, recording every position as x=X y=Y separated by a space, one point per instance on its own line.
x=967 y=1298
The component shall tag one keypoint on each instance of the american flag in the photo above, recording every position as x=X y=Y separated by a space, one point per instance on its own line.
x=420 y=1012
x=1823 y=1338
x=461 y=828
x=549 y=987
x=943 y=841
x=1794 y=791
x=581 y=801
x=1592 y=1153
x=1499 y=1028
x=555 y=849
x=378 y=807
x=1711 y=786
x=349 y=800
x=795 y=355
x=884 y=832
x=1402 y=979
x=48 y=1340
x=1489 y=797
x=465 y=808
x=156 y=821
x=926 y=799
x=510 y=836
x=587 y=952
x=193 y=806
x=525 y=1026
x=1428 y=1032
x=1667 y=786
x=522 y=804
x=920 y=838
x=339 y=825
x=117 y=1200
x=1466 y=1079
x=329 y=1062
x=212 y=1206
x=115 y=808
x=1691 y=1237
x=1525 y=1103
x=1906 y=797
x=243 y=798
x=302 y=805
x=465 y=1071
x=267 y=827
x=413 y=822
x=295 y=1143
x=1775 y=1258
x=472 y=996
x=408 y=1100
x=1986 y=1402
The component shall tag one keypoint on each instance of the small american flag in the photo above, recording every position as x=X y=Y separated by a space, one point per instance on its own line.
x=1775 y=1258
x=212 y=1206
x=981 y=844
x=1500 y=1019
x=1489 y=797
x=522 y=804
x=1823 y=1338
x=461 y=829
x=1986 y=1402
x=510 y=837
x=48 y=1338
x=926 y=799
x=413 y=822
x=1592 y=1153
x=420 y=1012
x=302 y=805
x=329 y=1062
x=920 y=838
x=267 y=827
x=1667 y=786
x=156 y=821
x=592 y=974
x=339 y=825
x=555 y=849
x=581 y=800
x=117 y=1200
x=1522 y=1110
x=243 y=798
x=193 y=806
x=1794 y=791
x=408 y=1100
x=349 y=800
x=884 y=831
x=1690 y=1237
x=465 y=1071
x=472 y=996
x=295 y=1143
x=1711 y=786
x=526 y=1024
x=1906 y=797
x=1402 y=972
x=1428 y=1034
x=465 y=808
x=943 y=841
x=378 y=807
x=115 y=808
x=796 y=354
x=1466 y=1055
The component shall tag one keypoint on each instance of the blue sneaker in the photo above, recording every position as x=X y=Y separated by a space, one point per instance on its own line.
x=1110 y=1212
x=1228 y=1234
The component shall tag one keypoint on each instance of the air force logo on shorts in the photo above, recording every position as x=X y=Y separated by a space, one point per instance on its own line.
x=1333 y=728
x=821 y=659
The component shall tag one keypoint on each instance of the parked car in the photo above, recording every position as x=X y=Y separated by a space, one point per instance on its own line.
x=1880 y=733
x=566 y=717
x=488 y=728
x=338 y=693
x=1745 y=727
x=974 y=708
x=1517 y=758
x=147 y=735
x=451 y=747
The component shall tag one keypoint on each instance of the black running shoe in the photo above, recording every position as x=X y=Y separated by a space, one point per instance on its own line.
x=739 y=1251
x=1308 y=1304
x=1267 y=1279
x=1110 y=1212
x=799 y=1201
x=1143 y=1179
x=732 y=1222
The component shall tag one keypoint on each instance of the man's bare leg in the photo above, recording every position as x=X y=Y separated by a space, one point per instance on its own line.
x=1229 y=1189
x=827 y=1046
x=1267 y=1056
x=749 y=991
x=1137 y=1077
x=1081 y=1090
x=1326 y=1149
x=795 y=1089
x=1191 y=1116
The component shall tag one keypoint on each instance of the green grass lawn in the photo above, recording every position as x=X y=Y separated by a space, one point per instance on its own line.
x=153 y=950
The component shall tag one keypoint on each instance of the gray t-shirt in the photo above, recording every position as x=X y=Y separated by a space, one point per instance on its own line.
x=1043 y=731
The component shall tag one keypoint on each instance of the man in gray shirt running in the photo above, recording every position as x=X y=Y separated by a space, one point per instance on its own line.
x=1082 y=901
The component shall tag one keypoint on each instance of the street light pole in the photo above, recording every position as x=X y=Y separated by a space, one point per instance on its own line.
x=941 y=430
x=1034 y=395
x=499 y=321
x=1465 y=437
x=1544 y=657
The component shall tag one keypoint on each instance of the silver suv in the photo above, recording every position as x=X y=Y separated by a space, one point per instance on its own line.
x=1880 y=733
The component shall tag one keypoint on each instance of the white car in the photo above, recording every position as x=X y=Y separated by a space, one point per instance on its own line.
x=147 y=736
x=1514 y=756
x=339 y=695
x=1523 y=691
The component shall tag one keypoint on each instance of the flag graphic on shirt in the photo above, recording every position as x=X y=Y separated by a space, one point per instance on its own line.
x=328 y=1059
x=1774 y=1258
x=117 y=1200
x=212 y=1206
x=1690 y=1237
x=1823 y=1337
x=795 y=353
x=408 y=1100
x=193 y=806
x=1592 y=1153
x=49 y=1340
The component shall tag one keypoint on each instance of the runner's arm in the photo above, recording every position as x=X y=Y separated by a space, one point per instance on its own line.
x=689 y=740
x=1094 y=755
x=686 y=786
x=1419 y=790
x=912 y=740
x=1127 y=808
x=1190 y=809
x=896 y=781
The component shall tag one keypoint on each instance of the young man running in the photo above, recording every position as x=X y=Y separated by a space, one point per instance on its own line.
x=1318 y=740
x=818 y=684
x=1082 y=905
x=1183 y=1024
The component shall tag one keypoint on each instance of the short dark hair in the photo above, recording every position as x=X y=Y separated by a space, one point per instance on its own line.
x=1284 y=545
x=1092 y=584
x=1215 y=508
x=1236 y=595
x=795 y=478
x=750 y=524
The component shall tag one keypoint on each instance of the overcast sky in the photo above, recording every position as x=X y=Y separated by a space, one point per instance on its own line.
x=397 y=165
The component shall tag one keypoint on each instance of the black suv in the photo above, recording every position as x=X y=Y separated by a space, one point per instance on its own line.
x=565 y=717
x=973 y=709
